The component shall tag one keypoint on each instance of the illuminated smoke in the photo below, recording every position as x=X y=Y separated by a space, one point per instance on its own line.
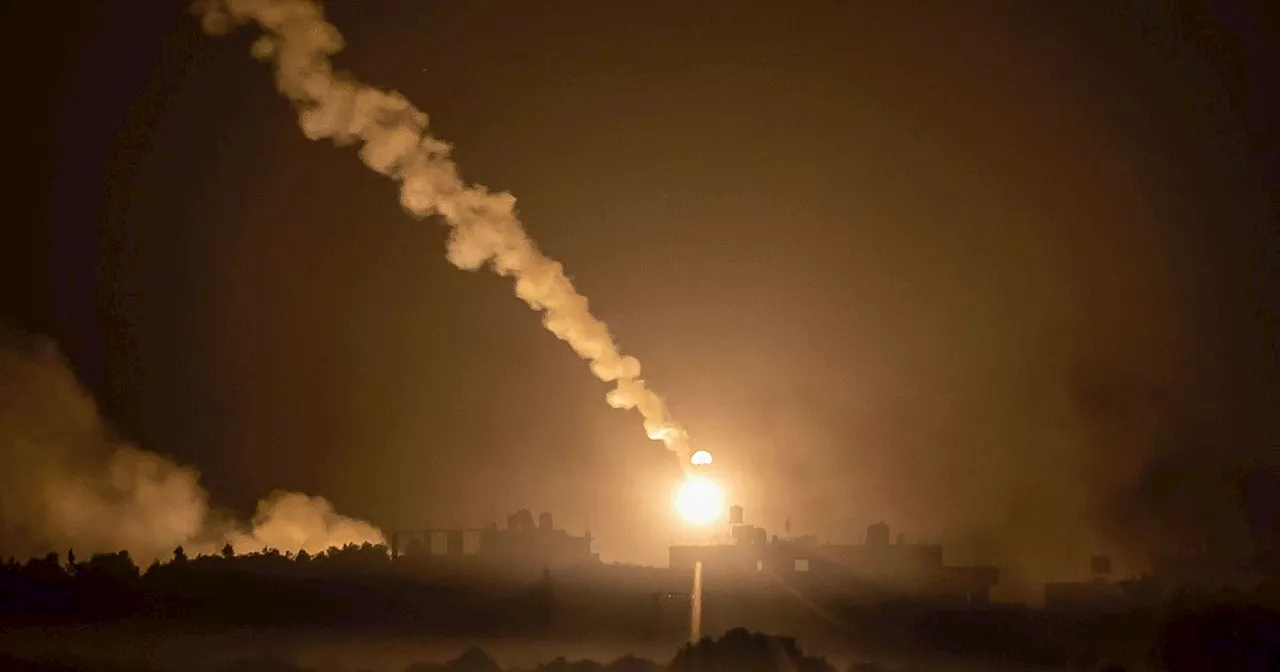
x=296 y=521
x=66 y=482
x=393 y=139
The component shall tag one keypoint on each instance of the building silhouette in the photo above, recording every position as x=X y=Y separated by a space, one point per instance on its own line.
x=521 y=544
x=1097 y=595
x=877 y=569
x=873 y=568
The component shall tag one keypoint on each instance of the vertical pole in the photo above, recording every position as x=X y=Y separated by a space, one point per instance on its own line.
x=695 y=616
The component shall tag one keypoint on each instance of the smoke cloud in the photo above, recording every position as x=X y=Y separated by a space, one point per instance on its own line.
x=293 y=520
x=394 y=141
x=67 y=482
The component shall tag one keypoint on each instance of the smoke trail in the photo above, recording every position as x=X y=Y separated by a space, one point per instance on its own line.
x=66 y=482
x=394 y=141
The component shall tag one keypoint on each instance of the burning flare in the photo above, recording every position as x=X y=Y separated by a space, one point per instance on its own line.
x=699 y=501
x=393 y=140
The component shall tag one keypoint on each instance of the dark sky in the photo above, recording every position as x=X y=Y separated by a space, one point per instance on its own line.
x=1001 y=277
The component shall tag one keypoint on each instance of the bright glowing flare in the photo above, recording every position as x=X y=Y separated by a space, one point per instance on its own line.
x=700 y=458
x=699 y=501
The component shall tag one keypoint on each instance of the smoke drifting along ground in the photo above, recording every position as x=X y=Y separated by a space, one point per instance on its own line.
x=68 y=483
x=394 y=141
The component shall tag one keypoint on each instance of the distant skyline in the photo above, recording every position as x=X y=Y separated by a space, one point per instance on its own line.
x=1003 y=277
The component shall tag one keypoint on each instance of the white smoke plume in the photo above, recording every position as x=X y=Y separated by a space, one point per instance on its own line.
x=67 y=482
x=294 y=521
x=394 y=141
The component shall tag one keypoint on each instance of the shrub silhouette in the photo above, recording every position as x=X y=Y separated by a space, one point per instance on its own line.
x=263 y=664
x=632 y=664
x=742 y=651
x=472 y=660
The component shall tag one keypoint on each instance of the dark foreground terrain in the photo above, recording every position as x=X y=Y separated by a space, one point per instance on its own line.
x=1205 y=641
x=354 y=609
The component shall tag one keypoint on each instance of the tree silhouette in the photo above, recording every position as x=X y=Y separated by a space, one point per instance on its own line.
x=742 y=651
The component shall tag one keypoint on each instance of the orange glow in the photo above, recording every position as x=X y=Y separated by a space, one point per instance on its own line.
x=699 y=500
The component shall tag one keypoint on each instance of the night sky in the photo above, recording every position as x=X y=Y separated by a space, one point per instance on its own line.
x=1004 y=278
